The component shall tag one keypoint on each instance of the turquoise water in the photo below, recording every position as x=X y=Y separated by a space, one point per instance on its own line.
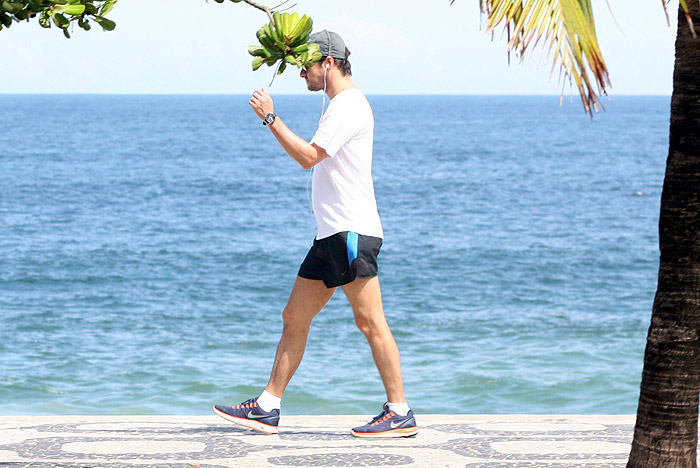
x=149 y=244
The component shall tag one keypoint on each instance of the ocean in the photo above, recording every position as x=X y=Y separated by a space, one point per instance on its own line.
x=149 y=243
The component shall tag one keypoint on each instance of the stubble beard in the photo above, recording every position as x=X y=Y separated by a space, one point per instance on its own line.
x=313 y=86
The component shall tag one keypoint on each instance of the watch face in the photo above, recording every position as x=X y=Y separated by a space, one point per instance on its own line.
x=269 y=118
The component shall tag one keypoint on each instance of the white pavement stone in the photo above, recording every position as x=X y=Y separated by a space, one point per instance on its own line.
x=560 y=447
x=140 y=447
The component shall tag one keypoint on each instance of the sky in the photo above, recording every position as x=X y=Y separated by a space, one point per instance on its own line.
x=398 y=47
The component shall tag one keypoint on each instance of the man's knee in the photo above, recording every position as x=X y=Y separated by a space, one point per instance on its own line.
x=291 y=317
x=288 y=316
x=370 y=324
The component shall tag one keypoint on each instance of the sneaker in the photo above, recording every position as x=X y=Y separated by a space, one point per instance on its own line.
x=388 y=424
x=250 y=415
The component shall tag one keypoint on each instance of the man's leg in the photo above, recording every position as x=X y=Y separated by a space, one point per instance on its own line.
x=365 y=297
x=307 y=299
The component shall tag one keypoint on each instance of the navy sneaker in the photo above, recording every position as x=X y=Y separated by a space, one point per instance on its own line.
x=388 y=424
x=250 y=415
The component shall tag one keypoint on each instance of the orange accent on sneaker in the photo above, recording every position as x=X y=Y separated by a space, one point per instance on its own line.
x=386 y=417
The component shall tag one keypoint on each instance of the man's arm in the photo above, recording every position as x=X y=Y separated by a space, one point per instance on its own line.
x=303 y=152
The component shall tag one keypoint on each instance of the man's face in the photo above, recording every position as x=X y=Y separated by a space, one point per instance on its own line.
x=313 y=76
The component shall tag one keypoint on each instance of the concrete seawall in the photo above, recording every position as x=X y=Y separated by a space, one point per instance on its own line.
x=489 y=441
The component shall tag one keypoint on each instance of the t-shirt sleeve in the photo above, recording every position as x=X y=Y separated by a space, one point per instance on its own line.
x=334 y=130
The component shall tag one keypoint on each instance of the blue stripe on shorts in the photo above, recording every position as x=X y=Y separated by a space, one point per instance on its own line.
x=352 y=243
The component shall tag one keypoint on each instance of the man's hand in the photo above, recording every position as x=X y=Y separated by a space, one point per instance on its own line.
x=261 y=102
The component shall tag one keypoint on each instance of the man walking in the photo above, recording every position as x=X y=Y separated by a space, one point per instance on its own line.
x=344 y=252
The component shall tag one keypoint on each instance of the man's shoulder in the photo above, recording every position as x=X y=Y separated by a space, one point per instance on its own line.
x=352 y=100
x=350 y=95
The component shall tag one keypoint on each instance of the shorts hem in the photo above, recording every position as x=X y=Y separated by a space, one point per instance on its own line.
x=338 y=284
x=308 y=276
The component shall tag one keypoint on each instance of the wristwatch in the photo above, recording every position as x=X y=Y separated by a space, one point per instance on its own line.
x=269 y=118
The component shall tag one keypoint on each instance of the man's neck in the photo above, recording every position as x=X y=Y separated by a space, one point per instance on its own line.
x=339 y=85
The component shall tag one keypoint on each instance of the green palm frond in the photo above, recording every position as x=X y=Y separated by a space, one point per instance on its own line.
x=567 y=30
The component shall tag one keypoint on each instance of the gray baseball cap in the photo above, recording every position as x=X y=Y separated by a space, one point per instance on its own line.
x=330 y=43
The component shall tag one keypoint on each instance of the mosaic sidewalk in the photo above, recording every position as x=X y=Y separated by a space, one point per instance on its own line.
x=314 y=441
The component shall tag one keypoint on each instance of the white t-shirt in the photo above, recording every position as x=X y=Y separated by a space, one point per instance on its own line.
x=342 y=189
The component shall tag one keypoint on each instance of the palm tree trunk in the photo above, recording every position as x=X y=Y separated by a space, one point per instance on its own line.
x=666 y=432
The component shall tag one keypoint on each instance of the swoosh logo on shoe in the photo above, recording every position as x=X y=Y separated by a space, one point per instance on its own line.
x=395 y=425
x=255 y=416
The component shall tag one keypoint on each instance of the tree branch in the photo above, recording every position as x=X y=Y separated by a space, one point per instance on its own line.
x=263 y=8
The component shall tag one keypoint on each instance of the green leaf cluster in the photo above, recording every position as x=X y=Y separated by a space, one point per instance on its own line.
x=284 y=41
x=60 y=13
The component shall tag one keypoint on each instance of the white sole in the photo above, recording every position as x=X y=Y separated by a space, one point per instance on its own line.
x=384 y=435
x=250 y=424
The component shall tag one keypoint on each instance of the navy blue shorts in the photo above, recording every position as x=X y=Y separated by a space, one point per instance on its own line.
x=340 y=258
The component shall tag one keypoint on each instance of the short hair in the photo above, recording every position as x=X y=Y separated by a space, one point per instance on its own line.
x=343 y=64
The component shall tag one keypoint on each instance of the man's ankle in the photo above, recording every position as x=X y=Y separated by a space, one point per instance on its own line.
x=268 y=402
x=401 y=409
